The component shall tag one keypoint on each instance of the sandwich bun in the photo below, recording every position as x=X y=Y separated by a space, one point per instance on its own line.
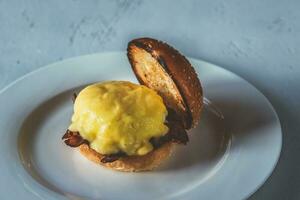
x=163 y=69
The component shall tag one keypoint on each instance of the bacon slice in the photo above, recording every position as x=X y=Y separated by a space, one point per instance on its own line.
x=177 y=131
x=69 y=133
x=176 y=134
x=73 y=139
x=112 y=157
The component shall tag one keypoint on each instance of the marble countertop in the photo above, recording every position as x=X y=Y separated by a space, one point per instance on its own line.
x=258 y=40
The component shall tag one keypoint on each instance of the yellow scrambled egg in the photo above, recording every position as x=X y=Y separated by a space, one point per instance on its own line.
x=119 y=116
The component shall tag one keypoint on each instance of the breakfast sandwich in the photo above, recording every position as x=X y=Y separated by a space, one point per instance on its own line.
x=131 y=127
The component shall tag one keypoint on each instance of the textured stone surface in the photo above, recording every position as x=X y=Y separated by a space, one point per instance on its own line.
x=259 y=40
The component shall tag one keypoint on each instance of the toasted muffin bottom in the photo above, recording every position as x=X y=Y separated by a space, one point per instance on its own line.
x=131 y=163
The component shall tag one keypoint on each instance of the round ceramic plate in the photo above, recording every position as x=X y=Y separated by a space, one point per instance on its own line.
x=230 y=154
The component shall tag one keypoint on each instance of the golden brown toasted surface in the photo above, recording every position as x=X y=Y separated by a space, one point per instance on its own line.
x=131 y=163
x=162 y=68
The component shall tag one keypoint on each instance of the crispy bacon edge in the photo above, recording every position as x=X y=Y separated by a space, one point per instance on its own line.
x=73 y=139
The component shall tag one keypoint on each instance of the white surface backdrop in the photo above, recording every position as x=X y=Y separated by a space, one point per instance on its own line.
x=259 y=40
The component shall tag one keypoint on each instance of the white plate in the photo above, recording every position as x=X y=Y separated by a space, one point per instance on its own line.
x=231 y=153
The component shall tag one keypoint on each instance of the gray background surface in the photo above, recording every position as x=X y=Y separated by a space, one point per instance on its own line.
x=258 y=40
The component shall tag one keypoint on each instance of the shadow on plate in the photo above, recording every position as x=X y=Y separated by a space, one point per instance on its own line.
x=30 y=128
x=221 y=121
